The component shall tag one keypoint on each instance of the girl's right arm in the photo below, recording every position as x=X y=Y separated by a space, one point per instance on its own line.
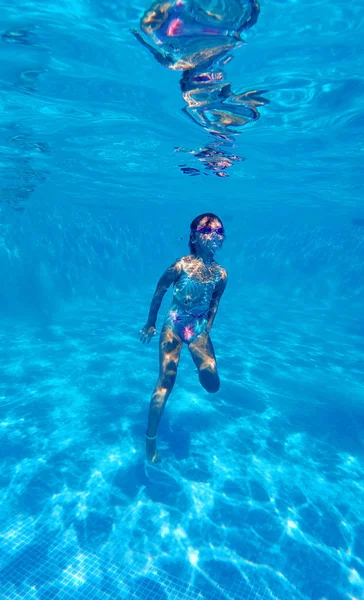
x=169 y=276
x=163 y=59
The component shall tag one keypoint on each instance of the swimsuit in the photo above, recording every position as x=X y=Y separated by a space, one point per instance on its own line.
x=188 y=313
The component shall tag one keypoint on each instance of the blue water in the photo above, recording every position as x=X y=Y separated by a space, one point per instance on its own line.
x=260 y=491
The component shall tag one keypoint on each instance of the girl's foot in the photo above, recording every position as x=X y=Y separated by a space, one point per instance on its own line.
x=151 y=449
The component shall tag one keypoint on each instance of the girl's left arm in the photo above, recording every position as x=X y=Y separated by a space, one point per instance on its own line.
x=215 y=300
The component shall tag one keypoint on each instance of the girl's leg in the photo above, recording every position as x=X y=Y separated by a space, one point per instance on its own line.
x=202 y=352
x=170 y=345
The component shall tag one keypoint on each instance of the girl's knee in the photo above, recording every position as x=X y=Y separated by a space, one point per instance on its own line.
x=165 y=383
x=210 y=382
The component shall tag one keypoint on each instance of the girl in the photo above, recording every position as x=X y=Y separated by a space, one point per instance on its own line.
x=198 y=284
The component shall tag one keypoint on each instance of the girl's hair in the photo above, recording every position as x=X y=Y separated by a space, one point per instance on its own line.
x=210 y=217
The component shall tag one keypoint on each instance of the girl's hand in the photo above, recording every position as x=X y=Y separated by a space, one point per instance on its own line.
x=146 y=333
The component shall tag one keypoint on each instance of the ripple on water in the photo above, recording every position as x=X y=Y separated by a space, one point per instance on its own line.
x=66 y=111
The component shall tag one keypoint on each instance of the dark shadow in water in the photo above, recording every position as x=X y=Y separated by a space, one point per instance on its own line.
x=130 y=480
x=341 y=426
x=94 y=530
x=145 y=588
x=28 y=566
x=25 y=157
x=178 y=442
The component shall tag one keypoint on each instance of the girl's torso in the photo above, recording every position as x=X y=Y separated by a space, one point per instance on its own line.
x=192 y=293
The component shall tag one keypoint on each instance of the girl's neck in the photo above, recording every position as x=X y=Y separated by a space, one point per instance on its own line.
x=207 y=258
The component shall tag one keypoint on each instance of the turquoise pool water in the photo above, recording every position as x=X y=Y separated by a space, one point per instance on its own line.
x=104 y=164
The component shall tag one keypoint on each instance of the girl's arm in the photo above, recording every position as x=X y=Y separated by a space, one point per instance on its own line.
x=163 y=58
x=169 y=276
x=216 y=296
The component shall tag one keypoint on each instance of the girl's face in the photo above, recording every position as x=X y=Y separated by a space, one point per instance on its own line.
x=210 y=234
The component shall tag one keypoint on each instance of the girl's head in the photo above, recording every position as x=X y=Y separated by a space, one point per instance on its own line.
x=206 y=233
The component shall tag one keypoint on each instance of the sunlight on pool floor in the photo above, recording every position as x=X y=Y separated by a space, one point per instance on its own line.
x=260 y=490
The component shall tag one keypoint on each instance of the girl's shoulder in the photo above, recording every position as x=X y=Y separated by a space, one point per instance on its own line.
x=179 y=265
x=221 y=272
x=218 y=266
x=188 y=257
x=185 y=260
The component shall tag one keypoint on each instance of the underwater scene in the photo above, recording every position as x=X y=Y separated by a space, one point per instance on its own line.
x=182 y=300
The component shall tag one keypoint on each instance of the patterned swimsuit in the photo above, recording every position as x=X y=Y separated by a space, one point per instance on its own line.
x=188 y=313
